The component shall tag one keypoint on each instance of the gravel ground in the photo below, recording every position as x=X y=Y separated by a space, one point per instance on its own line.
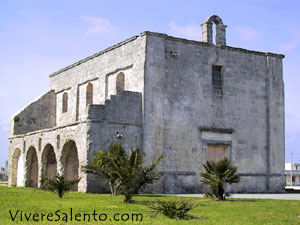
x=285 y=196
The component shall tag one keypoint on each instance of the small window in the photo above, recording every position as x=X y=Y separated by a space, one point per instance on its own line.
x=293 y=179
x=215 y=153
x=216 y=76
x=40 y=144
x=297 y=167
x=58 y=142
x=89 y=94
x=24 y=146
x=65 y=102
x=120 y=84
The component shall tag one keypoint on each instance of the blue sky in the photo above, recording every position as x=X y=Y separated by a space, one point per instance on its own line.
x=41 y=37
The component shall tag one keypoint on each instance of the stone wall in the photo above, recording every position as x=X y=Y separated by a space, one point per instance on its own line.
x=121 y=114
x=120 y=120
x=181 y=105
x=40 y=114
x=101 y=70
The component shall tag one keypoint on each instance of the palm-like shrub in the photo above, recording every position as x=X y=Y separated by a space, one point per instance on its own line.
x=217 y=175
x=125 y=173
x=103 y=164
x=133 y=175
x=172 y=209
x=44 y=183
x=58 y=184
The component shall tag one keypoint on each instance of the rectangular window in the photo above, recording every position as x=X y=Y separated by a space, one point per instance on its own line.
x=65 y=102
x=215 y=153
x=216 y=76
x=293 y=179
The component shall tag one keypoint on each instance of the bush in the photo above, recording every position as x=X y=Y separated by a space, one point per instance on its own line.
x=217 y=175
x=44 y=183
x=58 y=184
x=133 y=175
x=124 y=173
x=172 y=209
x=103 y=163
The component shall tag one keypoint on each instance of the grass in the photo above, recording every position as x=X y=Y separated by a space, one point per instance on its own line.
x=232 y=211
x=3 y=183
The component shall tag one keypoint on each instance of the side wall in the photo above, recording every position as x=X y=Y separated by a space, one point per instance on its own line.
x=122 y=115
x=276 y=124
x=183 y=114
x=44 y=121
x=38 y=115
x=100 y=70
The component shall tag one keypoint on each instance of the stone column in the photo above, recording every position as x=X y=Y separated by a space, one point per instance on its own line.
x=220 y=34
x=207 y=32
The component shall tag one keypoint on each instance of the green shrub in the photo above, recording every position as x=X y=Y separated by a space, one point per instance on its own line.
x=125 y=173
x=217 y=175
x=103 y=163
x=172 y=209
x=58 y=184
x=44 y=183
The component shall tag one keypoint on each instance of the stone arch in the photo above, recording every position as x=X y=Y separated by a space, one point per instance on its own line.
x=214 y=19
x=207 y=32
x=17 y=170
x=120 y=83
x=49 y=162
x=70 y=162
x=65 y=102
x=89 y=94
x=32 y=168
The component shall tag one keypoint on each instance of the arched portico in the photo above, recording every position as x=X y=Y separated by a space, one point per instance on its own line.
x=70 y=162
x=31 y=168
x=49 y=162
x=17 y=172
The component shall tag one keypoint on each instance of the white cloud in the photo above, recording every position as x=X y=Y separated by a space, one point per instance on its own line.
x=247 y=35
x=99 y=26
x=291 y=44
x=5 y=124
x=189 y=31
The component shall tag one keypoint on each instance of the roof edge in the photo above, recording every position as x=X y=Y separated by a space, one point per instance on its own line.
x=281 y=56
x=94 y=55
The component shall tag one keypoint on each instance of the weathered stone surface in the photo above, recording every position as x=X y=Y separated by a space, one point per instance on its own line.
x=168 y=106
x=251 y=109
x=39 y=114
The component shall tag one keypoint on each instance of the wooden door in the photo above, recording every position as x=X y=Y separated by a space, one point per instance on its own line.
x=215 y=153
